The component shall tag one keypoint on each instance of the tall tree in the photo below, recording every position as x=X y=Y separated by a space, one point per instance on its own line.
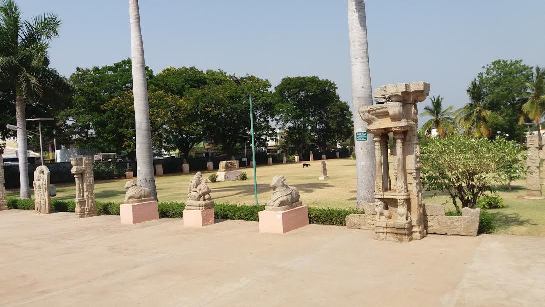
x=311 y=113
x=474 y=117
x=144 y=151
x=534 y=108
x=361 y=96
x=24 y=61
x=441 y=119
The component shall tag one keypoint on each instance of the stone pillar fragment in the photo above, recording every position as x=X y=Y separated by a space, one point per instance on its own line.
x=42 y=200
x=82 y=169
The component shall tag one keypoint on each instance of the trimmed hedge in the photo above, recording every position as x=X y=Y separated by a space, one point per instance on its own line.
x=322 y=216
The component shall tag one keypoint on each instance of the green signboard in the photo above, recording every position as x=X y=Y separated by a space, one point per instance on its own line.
x=361 y=136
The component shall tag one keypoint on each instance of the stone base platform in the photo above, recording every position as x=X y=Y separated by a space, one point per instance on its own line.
x=228 y=175
x=283 y=221
x=393 y=231
x=198 y=218
x=139 y=212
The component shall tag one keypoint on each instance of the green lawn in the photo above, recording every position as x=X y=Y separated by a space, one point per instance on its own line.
x=521 y=217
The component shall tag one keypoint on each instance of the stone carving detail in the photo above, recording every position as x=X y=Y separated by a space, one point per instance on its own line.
x=198 y=194
x=42 y=200
x=82 y=169
x=3 y=205
x=284 y=197
x=324 y=171
x=394 y=120
x=534 y=165
x=136 y=193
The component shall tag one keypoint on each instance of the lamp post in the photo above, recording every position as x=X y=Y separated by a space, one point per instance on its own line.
x=253 y=148
x=39 y=120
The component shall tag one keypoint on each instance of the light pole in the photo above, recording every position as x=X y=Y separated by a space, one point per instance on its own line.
x=39 y=120
x=253 y=148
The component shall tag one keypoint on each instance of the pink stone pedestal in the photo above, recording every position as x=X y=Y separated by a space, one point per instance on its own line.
x=283 y=221
x=198 y=218
x=139 y=212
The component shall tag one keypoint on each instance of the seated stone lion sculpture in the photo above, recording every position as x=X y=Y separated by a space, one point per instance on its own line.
x=135 y=193
x=284 y=197
x=198 y=194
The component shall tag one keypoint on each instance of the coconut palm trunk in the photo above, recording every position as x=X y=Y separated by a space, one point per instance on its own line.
x=144 y=151
x=22 y=156
x=361 y=96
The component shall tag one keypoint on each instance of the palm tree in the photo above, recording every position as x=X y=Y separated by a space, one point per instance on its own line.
x=534 y=108
x=441 y=119
x=144 y=151
x=474 y=117
x=24 y=61
x=361 y=96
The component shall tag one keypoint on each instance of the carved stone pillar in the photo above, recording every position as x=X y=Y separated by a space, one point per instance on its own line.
x=379 y=187
x=385 y=164
x=401 y=183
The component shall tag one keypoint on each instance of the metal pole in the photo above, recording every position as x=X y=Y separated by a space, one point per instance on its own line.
x=253 y=148
x=41 y=142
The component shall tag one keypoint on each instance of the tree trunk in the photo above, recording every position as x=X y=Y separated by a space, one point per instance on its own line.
x=22 y=153
x=361 y=96
x=144 y=151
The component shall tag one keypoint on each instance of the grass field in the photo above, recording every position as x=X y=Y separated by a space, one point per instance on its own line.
x=520 y=217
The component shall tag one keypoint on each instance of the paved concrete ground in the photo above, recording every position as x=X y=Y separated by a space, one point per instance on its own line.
x=59 y=260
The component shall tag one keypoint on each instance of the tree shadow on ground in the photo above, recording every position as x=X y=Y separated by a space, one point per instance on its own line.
x=247 y=189
x=505 y=220
x=108 y=193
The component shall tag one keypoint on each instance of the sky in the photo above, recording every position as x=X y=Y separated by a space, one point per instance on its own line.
x=443 y=42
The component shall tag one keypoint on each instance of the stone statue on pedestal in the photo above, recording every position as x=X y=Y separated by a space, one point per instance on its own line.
x=284 y=197
x=198 y=194
x=135 y=193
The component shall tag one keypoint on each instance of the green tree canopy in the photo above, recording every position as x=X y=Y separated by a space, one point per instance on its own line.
x=311 y=113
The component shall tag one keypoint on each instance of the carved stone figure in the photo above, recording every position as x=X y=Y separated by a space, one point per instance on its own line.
x=198 y=194
x=324 y=171
x=135 y=193
x=394 y=120
x=3 y=205
x=42 y=200
x=82 y=169
x=284 y=197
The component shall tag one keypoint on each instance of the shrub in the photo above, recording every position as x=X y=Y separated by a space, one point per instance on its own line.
x=213 y=177
x=487 y=222
x=492 y=201
x=329 y=216
x=63 y=205
x=108 y=170
x=21 y=204
x=237 y=212
x=466 y=167
x=107 y=208
x=243 y=176
x=171 y=209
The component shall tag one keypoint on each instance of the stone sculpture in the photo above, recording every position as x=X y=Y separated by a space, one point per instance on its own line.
x=82 y=169
x=324 y=171
x=534 y=167
x=3 y=205
x=285 y=211
x=284 y=197
x=228 y=170
x=42 y=200
x=135 y=193
x=399 y=207
x=198 y=194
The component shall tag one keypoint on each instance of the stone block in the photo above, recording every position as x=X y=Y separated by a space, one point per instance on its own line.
x=434 y=210
x=210 y=166
x=139 y=212
x=283 y=221
x=129 y=175
x=269 y=161
x=228 y=176
x=185 y=168
x=158 y=170
x=360 y=221
x=324 y=157
x=297 y=159
x=198 y=218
